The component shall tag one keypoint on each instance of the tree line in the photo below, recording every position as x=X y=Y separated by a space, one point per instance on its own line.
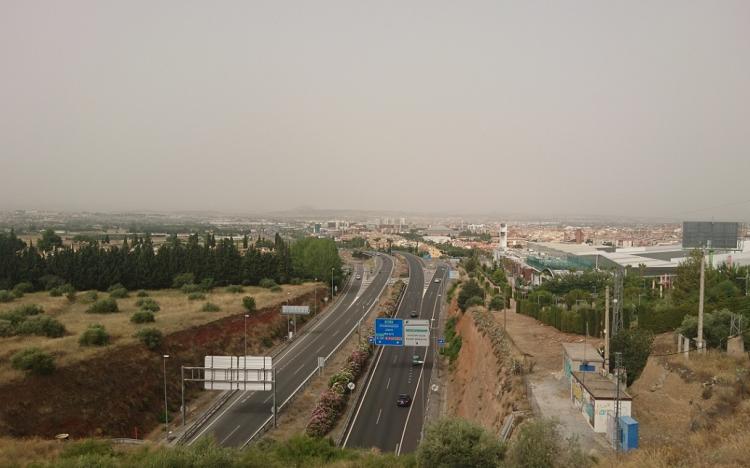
x=137 y=264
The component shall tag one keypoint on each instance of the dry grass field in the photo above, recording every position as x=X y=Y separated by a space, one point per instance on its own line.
x=177 y=313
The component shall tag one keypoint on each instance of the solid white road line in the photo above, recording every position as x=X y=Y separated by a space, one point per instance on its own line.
x=230 y=434
x=380 y=411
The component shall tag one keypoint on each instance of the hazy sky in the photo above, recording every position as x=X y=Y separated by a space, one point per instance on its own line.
x=576 y=107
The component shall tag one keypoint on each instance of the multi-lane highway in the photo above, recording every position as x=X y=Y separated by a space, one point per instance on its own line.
x=377 y=421
x=243 y=416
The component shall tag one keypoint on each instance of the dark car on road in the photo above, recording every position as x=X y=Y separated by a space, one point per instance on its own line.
x=413 y=314
x=403 y=400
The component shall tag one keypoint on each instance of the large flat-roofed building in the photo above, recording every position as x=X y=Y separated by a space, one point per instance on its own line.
x=580 y=357
x=656 y=260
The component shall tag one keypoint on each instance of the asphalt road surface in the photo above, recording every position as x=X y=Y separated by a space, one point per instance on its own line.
x=246 y=412
x=378 y=422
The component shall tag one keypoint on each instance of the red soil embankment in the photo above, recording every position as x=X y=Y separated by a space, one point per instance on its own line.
x=482 y=388
x=122 y=391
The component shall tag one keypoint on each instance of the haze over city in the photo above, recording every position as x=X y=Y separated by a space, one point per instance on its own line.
x=540 y=108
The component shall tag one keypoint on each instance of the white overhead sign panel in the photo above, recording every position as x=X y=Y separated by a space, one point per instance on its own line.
x=416 y=332
x=238 y=373
x=295 y=310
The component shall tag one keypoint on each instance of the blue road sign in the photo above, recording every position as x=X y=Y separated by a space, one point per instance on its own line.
x=389 y=332
x=441 y=341
x=371 y=339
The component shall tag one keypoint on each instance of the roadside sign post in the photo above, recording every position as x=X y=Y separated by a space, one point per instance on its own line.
x=416 y=332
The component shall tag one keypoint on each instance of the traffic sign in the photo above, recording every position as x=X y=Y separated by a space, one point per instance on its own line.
x=371 y=340
x=441 y=341
x=416 y=332
x=389 y=332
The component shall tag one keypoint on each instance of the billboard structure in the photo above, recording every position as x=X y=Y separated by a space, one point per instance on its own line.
x=237 y=373
x=709 y=234
x=251 y=373
x=295 y=310
x=416 y=333
x=402 y=332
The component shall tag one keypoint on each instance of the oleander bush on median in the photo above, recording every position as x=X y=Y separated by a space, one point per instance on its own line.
x=33 y=361
x=95 y=335
x=103 y=306
x=333 y=400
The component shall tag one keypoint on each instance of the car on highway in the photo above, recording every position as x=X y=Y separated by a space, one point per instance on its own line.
x=403 y=400
x=413 y=314
x=358 y=277
x=437 y=280
x=416 y=360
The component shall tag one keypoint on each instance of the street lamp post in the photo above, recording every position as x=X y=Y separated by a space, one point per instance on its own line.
x=331 y=283
x=166 y=409
x=246 y=317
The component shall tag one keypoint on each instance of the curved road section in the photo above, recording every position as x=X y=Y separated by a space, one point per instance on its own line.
x=378 y=421
x=246 y=413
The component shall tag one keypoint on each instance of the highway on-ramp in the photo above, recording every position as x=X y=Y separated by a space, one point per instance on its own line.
x=377 y=421
x=246 y=413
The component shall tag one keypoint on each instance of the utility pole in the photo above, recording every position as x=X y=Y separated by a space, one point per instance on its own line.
x=606 y=328
x=618 y=364
x=166 y=409
x=701 y=293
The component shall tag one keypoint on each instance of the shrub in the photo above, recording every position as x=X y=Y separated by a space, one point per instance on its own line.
x=248 y=302
x=470 y=289
x=61 y=290
x=190 y=288
x=276 y=288
x=150 y=337
x=235 y=289
x=210 y=307
x=34 y=361
x=148 y=304
x=295 y=281
x=71 y=296
x=266 y=341
x=118 y=293
x=497 y=303
x=207 y=284
x=24 y=287
x=456 y=442
x=41 y=325
x=196 y=296
x=51 y=281
x=116 y=286
x=267 y=283
x=103 y=306
x=6 y=328
x=6 y=296
x=20 y=313
x=182 y=279
x=89 y=297
x=141 y=293
x=539 y=443
x=142 y=316
x=95 y=335
x=85 y=449
x=635 y=345
x=474 y=301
